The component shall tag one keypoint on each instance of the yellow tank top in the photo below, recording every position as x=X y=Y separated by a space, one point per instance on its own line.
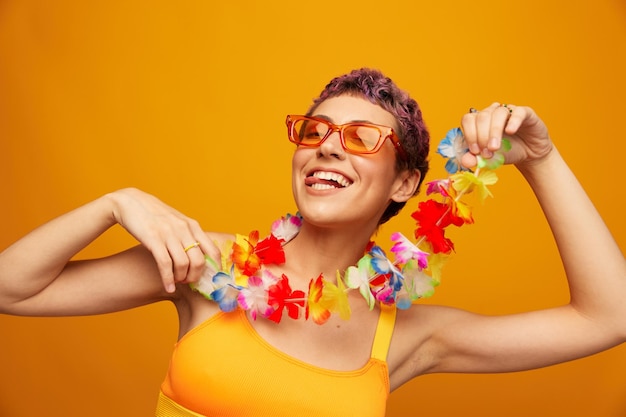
x=223 y=368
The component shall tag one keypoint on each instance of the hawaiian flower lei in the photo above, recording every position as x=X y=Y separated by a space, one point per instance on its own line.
x=240 y=280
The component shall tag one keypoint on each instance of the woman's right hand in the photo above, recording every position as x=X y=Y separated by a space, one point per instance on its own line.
x=177 y=242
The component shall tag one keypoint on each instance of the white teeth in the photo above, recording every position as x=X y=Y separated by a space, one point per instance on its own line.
x=321 y=186
x=332 y=176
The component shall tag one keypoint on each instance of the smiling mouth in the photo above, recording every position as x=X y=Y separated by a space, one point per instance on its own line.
x=324 y=180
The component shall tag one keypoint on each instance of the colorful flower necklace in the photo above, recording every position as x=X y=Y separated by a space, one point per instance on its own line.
x=241 y=281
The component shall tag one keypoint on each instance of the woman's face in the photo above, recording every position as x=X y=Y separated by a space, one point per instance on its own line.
x=331 y=186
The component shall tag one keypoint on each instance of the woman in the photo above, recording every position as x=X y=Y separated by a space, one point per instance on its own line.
x=233 y=359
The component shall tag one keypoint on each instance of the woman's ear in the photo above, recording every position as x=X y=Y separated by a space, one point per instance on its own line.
x=405 y=186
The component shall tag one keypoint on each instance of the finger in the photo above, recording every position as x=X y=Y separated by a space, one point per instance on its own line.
x=197 y=255
x=206 y=245
x=164 y=265
x=518 y=115
x=186 y=250
x=499 y=120
x=180 y=260
x=196 y=265
x=468 y=160
x=484 y=121
x=468 y=126
x=476 y=128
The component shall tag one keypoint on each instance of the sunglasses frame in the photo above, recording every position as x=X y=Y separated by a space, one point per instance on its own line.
x=386 y=132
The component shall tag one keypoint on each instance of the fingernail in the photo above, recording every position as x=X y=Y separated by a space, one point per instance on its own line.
x=474 y=148
x=493 y=143
x=170 y=288
x=487 y=153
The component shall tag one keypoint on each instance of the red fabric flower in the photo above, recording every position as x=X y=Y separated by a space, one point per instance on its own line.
x=280 y=296
x=270 y=251
x=248 y=255
x=432 y=218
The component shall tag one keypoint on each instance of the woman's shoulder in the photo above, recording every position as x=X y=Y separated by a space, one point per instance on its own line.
x=220 y=237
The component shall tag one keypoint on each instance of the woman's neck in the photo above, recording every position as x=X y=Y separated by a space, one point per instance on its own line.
x=318 y=250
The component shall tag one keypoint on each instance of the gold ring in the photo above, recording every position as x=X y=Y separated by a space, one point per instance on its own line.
x=193 y=245
x=473 y=110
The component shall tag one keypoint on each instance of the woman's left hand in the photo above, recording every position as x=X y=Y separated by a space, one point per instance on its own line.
x=483 y=131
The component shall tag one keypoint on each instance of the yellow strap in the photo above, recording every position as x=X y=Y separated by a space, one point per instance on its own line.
x=384 y=331
x=168 y=408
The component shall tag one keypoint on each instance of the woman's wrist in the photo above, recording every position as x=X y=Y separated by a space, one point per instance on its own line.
x=113 y=203
x=536 y=168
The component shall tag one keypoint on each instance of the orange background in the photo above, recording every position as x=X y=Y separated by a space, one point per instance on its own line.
x=187 y=100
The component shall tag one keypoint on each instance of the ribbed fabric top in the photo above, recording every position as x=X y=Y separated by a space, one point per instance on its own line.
x=223 y=368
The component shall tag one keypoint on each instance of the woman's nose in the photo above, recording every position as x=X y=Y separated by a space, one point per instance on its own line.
x=332 y=146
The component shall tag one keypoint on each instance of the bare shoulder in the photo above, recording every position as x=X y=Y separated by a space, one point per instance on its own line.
x=220 y=237
x=194 y=308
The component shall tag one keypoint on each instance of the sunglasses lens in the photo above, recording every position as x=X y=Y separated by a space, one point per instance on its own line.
x=309 y=131
x=361 y=139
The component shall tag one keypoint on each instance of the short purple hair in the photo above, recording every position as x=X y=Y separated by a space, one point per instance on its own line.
x=374 y=86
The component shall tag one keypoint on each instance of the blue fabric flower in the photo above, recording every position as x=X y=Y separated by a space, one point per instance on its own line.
x=381 y=265
x=226 y=291
x=453 y=148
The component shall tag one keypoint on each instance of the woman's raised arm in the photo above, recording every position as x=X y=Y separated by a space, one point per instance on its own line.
x=593 y=320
